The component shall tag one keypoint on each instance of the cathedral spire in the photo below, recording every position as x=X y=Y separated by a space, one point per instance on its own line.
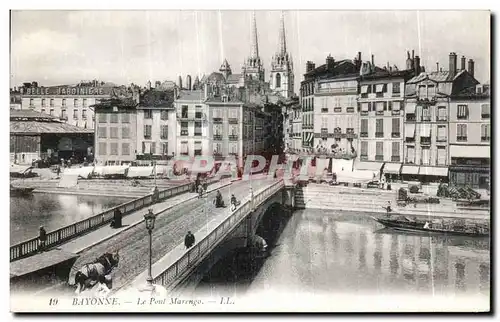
x=282 y=49
x=255 y=45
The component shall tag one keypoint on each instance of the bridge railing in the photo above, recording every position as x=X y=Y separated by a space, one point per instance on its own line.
x=63 y=234
x=194 y=254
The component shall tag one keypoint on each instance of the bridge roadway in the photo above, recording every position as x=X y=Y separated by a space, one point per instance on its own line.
x=170 y=229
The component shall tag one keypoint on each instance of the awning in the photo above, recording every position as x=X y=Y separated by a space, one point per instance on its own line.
x=409 y=169
x=434 y=171
x=478 y=151
x=364 y=89
x=380 y=106
x=410 y=130
x=139 y=172
x=374 y=166
x=393 y=168
x=364 y=107
x=396 y=106
x=425 y=130
x=379 y=88
x=341 y=165
x=81 y=172
x=115 y=170
x=410 y=108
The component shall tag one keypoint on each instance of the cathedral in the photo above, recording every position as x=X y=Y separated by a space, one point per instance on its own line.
x=252 y=76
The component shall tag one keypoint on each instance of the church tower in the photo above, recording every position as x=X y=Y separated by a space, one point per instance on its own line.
x=253 y=67
x=281 y=77
x=225 y=69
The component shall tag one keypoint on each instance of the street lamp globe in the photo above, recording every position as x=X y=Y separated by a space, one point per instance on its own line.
x=149 y=218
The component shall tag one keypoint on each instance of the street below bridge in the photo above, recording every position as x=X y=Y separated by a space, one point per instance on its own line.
x=170 y=230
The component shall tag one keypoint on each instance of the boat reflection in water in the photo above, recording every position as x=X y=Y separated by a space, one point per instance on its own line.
x=350 y=253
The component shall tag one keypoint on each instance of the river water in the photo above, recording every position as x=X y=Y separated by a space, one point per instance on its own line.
x=52 y=211
x=329 y=252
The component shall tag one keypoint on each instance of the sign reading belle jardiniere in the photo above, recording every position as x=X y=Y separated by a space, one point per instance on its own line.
x=64 y=91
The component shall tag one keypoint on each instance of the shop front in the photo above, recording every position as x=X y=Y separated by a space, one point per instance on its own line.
x=470 y=166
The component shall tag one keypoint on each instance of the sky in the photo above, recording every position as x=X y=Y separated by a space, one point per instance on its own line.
x=64 y=47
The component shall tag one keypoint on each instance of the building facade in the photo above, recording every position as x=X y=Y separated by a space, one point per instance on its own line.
x=427 y=110
x=71 y=104
x=156 y=125
x=307 y=90
x=470 y=137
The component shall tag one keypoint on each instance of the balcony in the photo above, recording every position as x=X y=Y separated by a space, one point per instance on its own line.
x=197 y=133
x=337 y=109
x=217 y=119
x=233 y=138
x=426 y=118
x=396 y=94
x=461 y=139
x=64 y=117
x=398 y=112
x=364 y=113
x=441 y=118
x=363 y=134
x=233 y=120
x=411 y=118
x=484 y=139
x=441 y=139
x=217 y=154
x=379 y=134
x=410 y=139
x=352 y=90
x=395 y=158
x=364 y=95
x=379 y=158
x=363 y=157
x=349 y=109
x=379 y=112
x=147 y=136
x=425 y=141
x=395 y=134
x=75 y=117
x=485 y=116
x=184 y=132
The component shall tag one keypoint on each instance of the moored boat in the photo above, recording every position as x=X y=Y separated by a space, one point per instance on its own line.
x=16 y=191
x=407 y=224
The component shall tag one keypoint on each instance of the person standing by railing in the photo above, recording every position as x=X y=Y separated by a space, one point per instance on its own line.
x=42 y=239
x=189 y=240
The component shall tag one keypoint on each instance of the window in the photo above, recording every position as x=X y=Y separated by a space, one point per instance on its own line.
x=184 y=128
x=462 y=112
x=379 y=128
x=441 y=113
x=32 y=102
x=197 y=128
x=102 y=148
x=125 y=132
x=153 y=147
x=461 y=132
x=426 y=114
x=164 y=132
x=64 y=115
x=125 y=118
x=43 y=102
x=101 y=132
x=114 y=148
x=164 y=148
x=324 y=110
x=395 y=152
x=113 y=132
x=278 y=80
x=379 y=151
x=396 y=128
x=125 y=148
x=422 y=91
x=410 y=156
x=197 y=148
x=364 y=148
x=103 y=118
x=485 y=111
x=425 y=155
x=485 y=133
x=51 y=102
x=64 y=102
x=75 y=102
x=42 y=110
x=441 y=155
x=164 y=115
x=84 y=114
x=51 y=111
x=364 y=128
x=184 y=148
x=113 y=118
x=395 y=88
x=184 y=111
x=147 y=131
x=441 y=133
x=431 y=90
x=84 y=102
x=217 y=148
x=75 y=114
x=148 y=114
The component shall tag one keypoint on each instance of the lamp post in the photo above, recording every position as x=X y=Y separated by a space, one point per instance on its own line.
x=149 y=219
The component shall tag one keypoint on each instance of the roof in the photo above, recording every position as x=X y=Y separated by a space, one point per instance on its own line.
x=323 y=68
x=215 y=77
x=40 y=127
x=233 y=78
x=196 y=95
x=388 y=74
x=127 y=102
x=439 y=77
x=31 y=115
x=156 y=98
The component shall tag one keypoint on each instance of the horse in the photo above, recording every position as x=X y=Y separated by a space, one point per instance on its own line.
x=88 y=274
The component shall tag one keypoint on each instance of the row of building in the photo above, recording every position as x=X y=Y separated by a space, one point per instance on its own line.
x=412 y=123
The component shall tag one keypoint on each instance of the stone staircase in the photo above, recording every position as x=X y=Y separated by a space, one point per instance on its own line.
x=322 y=196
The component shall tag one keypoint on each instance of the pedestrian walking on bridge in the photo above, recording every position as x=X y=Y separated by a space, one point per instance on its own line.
x=42 y=238
x=189 y=240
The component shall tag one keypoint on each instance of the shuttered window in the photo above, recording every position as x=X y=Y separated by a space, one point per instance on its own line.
x=379 y=148
x=364 y=148
x=396 y=125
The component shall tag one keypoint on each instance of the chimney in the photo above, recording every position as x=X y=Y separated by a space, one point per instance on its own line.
x=437 y=66
x=330 y=62
x=471 y=67
x=309 y=66
x=453 y=64
x=206 y=90
x=462 y=63
x=373 y=61
x=148 y=85
x=417 y=65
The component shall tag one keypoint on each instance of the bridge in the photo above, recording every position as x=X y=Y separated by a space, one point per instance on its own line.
x=225 y=230
x=177 y=213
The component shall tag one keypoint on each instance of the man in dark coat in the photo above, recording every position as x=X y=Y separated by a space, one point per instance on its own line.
x=42 y=238
x=189 y=240
x=117 y=219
